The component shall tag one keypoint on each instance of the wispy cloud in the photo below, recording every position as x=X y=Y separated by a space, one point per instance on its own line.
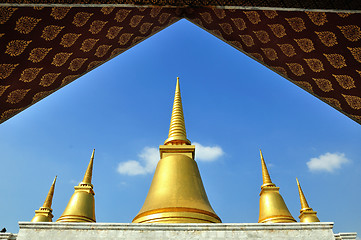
x=207 y=153
x=328 y=162
x=149 y=157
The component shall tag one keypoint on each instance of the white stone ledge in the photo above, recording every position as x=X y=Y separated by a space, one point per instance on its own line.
x=178 y=226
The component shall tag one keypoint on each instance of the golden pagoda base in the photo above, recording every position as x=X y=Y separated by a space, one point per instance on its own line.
x=43 y=215
x=308 y=216
x=177 y=215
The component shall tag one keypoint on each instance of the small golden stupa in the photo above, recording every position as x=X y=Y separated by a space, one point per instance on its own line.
x=44 y=214
x=81 y=206
x=176 y=194
x=272 y=207
x=307 y=213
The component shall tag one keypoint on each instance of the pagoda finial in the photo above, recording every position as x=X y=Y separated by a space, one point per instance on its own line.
x=307 y=213
x=265 y=175
x=44 y=214
x=89 y=171
x=304 y=204
x=49 y=197
x=177 y=130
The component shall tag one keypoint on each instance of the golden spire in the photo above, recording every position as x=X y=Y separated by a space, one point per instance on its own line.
x=81 y=206
x=265 y=175
x=272 y=207
x=89 y=171
x=307 y=213
x=177 y=194
x=177 y=130
x=44 y=214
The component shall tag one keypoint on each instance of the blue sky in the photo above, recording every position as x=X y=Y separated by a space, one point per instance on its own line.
x=233 y=106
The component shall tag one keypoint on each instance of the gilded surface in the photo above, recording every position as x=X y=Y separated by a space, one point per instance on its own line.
x=16 y=47
x=278 y=30
x=328 y=38
x=30 y=74
x=17 y=95
x=324 y=84
x=296 y=23
x=351 y=32
x=315 y=64
x=287 y=49
x=51 y=32
x=38 y=54
x=345 y=81
x=336 y=60
x=305 y=44
x=6 y=70
x=25 y=25
x=60 y=58
x=353 y=101
x=48 y=79
x=296 y=69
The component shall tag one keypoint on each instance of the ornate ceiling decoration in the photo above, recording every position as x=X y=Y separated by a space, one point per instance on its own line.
x=44 y=48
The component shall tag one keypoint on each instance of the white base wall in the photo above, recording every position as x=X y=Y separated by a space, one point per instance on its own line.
x=229 y=231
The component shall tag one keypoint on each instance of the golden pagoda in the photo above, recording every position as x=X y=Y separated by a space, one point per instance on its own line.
x=176 y=194
x=272 y=207
x=81 y=206
x=44 y=214
x=307 y=213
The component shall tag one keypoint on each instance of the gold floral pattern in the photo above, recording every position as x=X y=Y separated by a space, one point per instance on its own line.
x=206 y=17
x=287 y=49
x=11 y=112
x=113 y=32
x=296 y=69
x=318 y=18
x=278 y=30
x=81 y=18
x=124 y=38
x=336 y=60
x=315 y=64
x=253 y=16
x=97 y=26
x=351 y=32
x=305 y=85
x=93 y=64
x=51 y=32
x=270 y=53
x=163 y=18
x=327 y=38
x=345 y=81
x=59 y=12
x=88 y=44
x=102 y=50
x=262 y=36
x=121 y=15
x=6 y=13
x=29 y=74
x=17 y=95
x=239 y=23
x=353 y=101
x=226 y=27
x=76 y=64
x=25 y=25
x=356 y=53
x=16 y=47
x=247 y=40
x=305 y=44
x=324 y=84
x=3 y=89
x=6 y=70
x=155 y=11
x=107 y=10
x=257 y=56
x=270 y=13
x=40 y=95
x=48 y=79
x=38 y=54
x=220 y=13
x=280 y=70
x=144 y=28
x=60 y=58
x=135 y=20
x=296 y=23
x=69 y=39
x=68 y=79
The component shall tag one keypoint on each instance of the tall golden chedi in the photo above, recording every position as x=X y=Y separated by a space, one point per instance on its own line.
x=81 y=206
x=272 y=207
x=44 y=214
x=176 y=194
x=307 y=213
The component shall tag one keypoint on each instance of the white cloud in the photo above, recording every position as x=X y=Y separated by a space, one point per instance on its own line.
x=328 y=162
x=149 y=157
x=206 y=153
x=148 y=161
